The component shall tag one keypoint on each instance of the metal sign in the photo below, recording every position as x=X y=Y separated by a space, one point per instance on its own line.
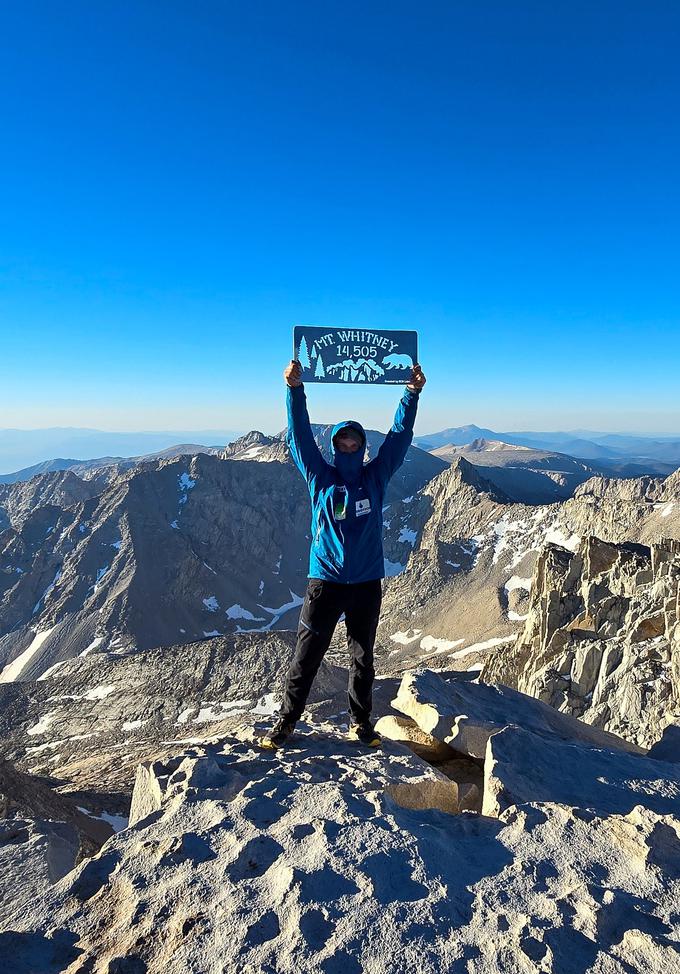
x=346 y=355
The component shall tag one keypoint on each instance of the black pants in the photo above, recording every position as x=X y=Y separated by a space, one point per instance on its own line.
x=323 y=605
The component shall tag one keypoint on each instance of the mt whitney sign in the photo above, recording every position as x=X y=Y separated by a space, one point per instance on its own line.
x=354 y=354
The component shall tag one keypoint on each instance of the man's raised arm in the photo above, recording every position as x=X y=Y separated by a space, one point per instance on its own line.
x=395 y=446
x=300 y=439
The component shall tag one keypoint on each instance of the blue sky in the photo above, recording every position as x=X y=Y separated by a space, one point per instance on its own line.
x=180 y=183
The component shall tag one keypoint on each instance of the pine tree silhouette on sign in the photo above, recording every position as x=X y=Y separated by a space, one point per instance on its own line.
x=319 y=371
x=314 y=351
x=303 y=354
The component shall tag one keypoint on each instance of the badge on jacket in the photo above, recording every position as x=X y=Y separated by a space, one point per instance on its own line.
x=340 y=502
x=363 y=506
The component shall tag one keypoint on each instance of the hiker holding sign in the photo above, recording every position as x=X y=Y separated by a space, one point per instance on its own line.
x=346 y=563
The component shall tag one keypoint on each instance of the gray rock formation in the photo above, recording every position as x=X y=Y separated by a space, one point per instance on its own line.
x=464 y=714
x=26 y=796
x=602 y=638
x=520 y=766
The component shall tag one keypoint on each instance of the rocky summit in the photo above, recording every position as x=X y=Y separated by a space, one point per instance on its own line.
x=333 y=857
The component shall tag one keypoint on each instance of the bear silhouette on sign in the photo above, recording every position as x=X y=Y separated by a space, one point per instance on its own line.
x=395 y=361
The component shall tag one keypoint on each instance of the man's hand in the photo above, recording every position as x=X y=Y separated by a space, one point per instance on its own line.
x=292 y=374
x=418 y=379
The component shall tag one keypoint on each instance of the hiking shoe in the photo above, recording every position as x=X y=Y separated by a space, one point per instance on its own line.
x=278 y=734
x=364 y=732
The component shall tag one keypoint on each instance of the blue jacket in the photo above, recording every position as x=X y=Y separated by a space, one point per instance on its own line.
x=347 y=496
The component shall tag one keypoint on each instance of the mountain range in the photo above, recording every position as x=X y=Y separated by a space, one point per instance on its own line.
x=609 y=448
x=29 y=448
x=24 y=453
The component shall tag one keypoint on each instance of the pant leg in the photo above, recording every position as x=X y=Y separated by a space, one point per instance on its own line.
x=319 y=615
x=362 y=612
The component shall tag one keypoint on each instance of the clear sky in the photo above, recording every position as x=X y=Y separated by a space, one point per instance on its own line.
x=181 y=182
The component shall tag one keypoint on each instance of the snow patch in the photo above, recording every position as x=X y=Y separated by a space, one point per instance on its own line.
x=48 y=745
x=251 y=453
x=433 y=644
x=211 y=603
x=555 y=535
x=237 y=611
x=48 y=672
x=185 y=482
x=209 y=711
x=266 y=706
x=42 y=724
x=393 y=568
x=504 y=531
x=488 y=644
x=47 y=591
x=13 y=669
x=275 y=613
x=93 y=645
x=100 y=574
x=407 y=535
x=406 y=637
x=516 y=582
x=98 y=693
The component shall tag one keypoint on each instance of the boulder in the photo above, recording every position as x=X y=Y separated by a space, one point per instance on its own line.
x=406 y=731
x=667 y=748
x=464 y=713
x=28 y=796
x=33 y=856
x=521 y=766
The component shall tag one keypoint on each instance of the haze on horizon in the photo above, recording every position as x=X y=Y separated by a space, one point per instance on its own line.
x=181 y=189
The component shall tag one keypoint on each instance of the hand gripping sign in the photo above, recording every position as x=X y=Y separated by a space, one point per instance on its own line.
x=355 y=354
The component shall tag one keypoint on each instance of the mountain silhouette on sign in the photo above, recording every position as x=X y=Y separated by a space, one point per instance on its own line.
x=361 y=370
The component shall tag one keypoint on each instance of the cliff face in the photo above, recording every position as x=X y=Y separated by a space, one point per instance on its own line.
x=602 y=637
x=171 y=551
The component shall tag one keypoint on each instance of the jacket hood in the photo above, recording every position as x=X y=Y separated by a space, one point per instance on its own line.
x=349 y=465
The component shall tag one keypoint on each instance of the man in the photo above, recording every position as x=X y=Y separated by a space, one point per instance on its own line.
x=346 y=564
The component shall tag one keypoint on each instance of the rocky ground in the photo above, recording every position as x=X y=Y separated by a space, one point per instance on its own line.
x=528 y=842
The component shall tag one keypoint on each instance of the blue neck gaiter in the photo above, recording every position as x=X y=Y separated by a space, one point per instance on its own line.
x=349 y=465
